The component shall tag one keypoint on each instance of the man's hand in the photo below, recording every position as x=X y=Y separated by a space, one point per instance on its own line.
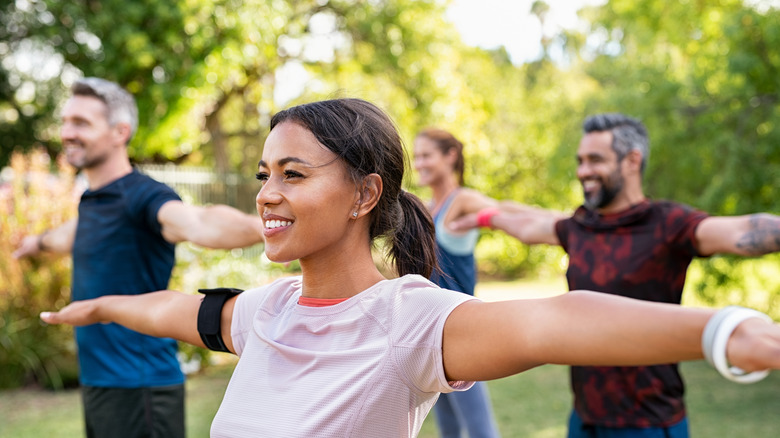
x=464 y=223
x=30 y=246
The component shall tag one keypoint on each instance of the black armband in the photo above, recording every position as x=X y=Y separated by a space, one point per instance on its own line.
x=210 y=316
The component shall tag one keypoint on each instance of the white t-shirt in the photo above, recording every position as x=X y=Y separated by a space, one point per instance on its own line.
x=370 y=366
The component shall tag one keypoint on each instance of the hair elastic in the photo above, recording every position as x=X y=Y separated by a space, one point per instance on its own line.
x=716 y=336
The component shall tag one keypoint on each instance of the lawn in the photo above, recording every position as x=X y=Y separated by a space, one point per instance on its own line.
x=534 y=404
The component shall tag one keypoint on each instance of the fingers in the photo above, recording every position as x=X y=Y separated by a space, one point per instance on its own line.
x=755 y=345
x=78 y=313
x=50 y=317
x=28 y=247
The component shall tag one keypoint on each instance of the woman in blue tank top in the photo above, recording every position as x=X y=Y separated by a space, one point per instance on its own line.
x=438 y=160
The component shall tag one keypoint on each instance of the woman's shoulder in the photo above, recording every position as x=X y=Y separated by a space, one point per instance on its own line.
x=466 y=194
x=277 y=291
x=415 y=290
x=281 y=283
x=468 y=200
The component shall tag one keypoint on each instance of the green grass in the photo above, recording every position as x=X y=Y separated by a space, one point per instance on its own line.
x=534 y=404
x=37 y=413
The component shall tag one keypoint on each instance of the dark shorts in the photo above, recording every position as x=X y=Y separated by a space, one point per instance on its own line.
x=155 y=412
x=579 y=430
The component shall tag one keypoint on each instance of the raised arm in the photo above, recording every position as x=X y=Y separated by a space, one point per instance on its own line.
x=167 y=314
x=57 y=240
x=215 y=226
x=530 y=225
x=492 y=340
x=749 y=235
x=467 y=202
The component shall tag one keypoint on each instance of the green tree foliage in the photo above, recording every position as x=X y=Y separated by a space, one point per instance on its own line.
x=704 y=78
x=207 y=74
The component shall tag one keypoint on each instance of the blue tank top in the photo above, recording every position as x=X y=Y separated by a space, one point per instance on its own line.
x=455 y=253
x=119 y=250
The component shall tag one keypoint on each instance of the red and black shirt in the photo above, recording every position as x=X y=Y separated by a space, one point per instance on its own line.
x=642 y=253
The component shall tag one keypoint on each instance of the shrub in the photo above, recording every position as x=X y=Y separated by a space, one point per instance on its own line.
x=33 y=199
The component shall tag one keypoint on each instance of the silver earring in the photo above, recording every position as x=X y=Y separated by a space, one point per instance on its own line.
x=354 y=214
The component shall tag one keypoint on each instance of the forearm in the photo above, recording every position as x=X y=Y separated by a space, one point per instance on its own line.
x=224 y=227
x=162 y=314
x=762 y=235
x=529 y=225
x=60 y=239
x=514 y=207
x=57 y=240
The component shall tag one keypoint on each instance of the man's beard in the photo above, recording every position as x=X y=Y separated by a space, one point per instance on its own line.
x=606 y=194
x=86 y=162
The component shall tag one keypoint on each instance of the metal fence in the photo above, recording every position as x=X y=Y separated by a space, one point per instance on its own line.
x=202 y=186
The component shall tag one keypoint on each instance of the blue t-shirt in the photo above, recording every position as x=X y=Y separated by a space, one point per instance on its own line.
x=455 y=253
x=119 y=250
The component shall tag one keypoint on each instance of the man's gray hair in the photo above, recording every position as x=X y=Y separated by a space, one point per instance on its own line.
x=628 y=134
x=120 y=104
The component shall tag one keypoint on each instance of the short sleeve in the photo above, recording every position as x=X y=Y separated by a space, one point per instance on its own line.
x=145 y=198
x=418 y=329
x=155 y=201
x=681 y=222
x=244 y=311
x=562 y=231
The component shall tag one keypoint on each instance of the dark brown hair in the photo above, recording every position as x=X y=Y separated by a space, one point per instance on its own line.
x=366 y=139
x=446 y=142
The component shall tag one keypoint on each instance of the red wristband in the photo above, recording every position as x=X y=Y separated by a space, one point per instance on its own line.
x=485 y=215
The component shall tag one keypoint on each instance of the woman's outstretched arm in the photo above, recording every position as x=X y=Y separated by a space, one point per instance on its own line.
x=485 y=341
x=165 y=313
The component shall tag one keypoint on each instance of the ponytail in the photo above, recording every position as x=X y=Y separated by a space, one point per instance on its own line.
x=413 y=239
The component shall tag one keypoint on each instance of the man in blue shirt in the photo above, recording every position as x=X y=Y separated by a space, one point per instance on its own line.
x=123 y=242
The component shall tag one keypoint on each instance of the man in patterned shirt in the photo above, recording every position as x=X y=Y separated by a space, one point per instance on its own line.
x=620 y=242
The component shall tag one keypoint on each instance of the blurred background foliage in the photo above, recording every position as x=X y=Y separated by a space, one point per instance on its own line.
x=703 y=75
x=31 y=203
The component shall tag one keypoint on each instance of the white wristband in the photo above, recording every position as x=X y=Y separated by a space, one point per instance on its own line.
x=716 y=336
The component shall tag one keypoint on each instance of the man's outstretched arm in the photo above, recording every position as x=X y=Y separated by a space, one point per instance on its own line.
x=748 y=235
x=58 y=240
x=215 y=226
x=530 y=225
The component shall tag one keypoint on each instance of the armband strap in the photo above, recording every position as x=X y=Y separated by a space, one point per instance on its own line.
x=210 y=316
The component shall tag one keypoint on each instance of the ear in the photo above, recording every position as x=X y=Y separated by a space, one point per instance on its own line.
x=451 y=156
x=122 y=132
x=370 y=190
x=634 y=160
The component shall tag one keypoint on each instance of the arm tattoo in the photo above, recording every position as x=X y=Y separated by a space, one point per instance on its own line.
x=762 y=236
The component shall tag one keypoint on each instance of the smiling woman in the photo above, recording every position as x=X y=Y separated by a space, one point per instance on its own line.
x=343 y=351
x=303 y=182
x=439 y=162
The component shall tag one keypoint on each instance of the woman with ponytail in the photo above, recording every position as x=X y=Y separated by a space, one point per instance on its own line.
x=342 y=351
x=439 y=162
